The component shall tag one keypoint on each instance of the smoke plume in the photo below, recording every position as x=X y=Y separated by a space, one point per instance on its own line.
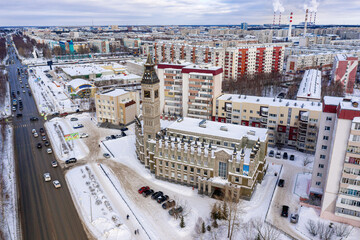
x=278 y=6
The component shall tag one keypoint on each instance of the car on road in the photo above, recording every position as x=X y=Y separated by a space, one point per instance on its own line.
x=22 y=86
x=36 y=134
x=43 y=138
x=292 y=157
x=285 y=211
x=143 y=189
x=71 y=160
x=47 y=177
x=55 y=114
x=73 y=119
x=156 y=195
x=49 y=150
x=79 y=125
x=278 y=154
x=64 y=114
x=285 y=155
x=18 y=92
x=38 y=145
x=106 y=155
x=19 y=115
x=294 y=218
x=148 y=192
x=124 y=129
x=108 y=138
x=54 y=164
x=281 y=183
x=168 y=204
x=271 y=153
x=27 y=86
x=84 y=135
x=176 y=211
x=162 y=198
x=33 y=131
x=23 y=91
x=47 y=143
x=34 y=119
x=56 y=184
x=29 y=93
x=14 y=108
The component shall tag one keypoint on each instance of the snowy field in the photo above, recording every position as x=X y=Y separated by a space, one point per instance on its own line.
x=5 y=107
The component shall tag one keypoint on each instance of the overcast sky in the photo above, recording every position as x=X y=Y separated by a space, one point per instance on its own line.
x=169 y=12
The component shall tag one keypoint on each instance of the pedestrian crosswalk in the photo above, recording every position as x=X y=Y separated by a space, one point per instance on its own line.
x=24 y=125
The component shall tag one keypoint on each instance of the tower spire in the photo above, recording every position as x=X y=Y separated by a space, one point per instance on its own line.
x=149 y=76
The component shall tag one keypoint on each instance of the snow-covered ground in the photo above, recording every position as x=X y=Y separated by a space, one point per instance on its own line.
x=8 y=204
x=5 y=107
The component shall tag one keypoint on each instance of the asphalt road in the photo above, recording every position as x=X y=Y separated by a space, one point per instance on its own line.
x=46 y=213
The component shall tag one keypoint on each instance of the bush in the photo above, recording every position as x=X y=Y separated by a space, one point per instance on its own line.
x=182 y=222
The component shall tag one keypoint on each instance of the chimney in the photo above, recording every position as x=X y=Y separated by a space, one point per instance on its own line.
x=314 y=17
x=274 y=19
x=290 y=25
x=279 y=19
x=305 y=25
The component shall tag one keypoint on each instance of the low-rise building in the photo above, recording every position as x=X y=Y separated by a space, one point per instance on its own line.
x=117 y=106
x=344 y=70
x=310 y=86
x=80 y=88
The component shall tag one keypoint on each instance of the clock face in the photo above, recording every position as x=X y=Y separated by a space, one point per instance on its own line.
x=147 y=94
x=156 y=93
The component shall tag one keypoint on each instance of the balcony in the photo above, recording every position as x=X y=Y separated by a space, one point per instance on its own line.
x=304 y=116
x=263 y=120
x=303 y=126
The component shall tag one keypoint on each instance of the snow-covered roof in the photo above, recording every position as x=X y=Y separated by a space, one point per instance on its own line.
x=328 y=100
x=118 y=77
x=114 y=93
x=77 y=82
x=81 y=70
x=310 y=86
x=268 y=101
x=217 y=129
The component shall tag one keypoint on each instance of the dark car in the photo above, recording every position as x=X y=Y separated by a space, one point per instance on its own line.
x=285 y=211
x=18 y=92
x=39 y=145
x=148 y=192
x=71 y=160
x=73 y=119
x=292 y=157
x=162 y=198
x=168 y=204
x=113 y=137
x=124 y=129
x=34 y=119
x=285 y=155
x=177 y=210
x=123 y=134
x=143 y=189
x=55 y=114
x=19 y=115
x=29 y=93
x=294 y=218
x=271 y=153
x=47 y=143
x=64 y=114
x=42 y=131
x=281 y=183
x=156 y=195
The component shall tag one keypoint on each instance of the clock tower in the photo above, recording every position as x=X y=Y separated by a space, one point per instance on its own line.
x=150 y=103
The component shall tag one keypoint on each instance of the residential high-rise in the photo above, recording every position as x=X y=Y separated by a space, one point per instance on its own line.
x=344 y=70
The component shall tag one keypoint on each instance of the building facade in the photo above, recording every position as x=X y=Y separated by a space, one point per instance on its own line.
x=344 y=70
x=188 y=90
x=291 y=123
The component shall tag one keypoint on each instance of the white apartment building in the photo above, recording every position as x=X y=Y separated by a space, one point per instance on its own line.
x=310 y=86
x=188 y=90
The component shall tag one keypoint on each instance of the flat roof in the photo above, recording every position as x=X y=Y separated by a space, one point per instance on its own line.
x=114 y=93
x=310 y=86
x=236 y=132
x=80 y=70
x=268 y=101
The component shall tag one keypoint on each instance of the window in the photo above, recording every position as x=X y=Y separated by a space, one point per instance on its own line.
x=322 y=156
x=179 y=158
x=172 y=165
x=205 y=172
x=328 y=118
x=179 y=167
x=321 y=165
x=185 y=168
x=236 y=179
x=324 y=147
x=318 y=183
x=167 y=164
x=327 y=128
x=225 y=143
x=198 y=170
x=160 y=162
x=222 y=170
x=319 y=174
x=191 y=169
x=326 y=138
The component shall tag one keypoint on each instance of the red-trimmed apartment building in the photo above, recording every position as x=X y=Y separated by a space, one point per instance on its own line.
x=344 y=70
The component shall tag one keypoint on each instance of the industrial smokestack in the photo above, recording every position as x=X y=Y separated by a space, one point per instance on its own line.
x=279 y=19
x=274 y=19
x=305 y=25
x=314 y=17
x=290 y=25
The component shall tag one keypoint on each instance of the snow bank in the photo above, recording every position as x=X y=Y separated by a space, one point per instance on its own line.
x=303 y=184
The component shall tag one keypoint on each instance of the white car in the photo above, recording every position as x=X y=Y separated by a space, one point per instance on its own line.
x=56 y=184
x=33 y=131
x=23 y=91
x=84 y=135
x=54 y=164
x=47 y=177
x=35 y=134
x=49 y=150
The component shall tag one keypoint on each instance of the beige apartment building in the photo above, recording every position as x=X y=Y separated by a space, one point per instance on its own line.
x=291 y=123
x=117 y=106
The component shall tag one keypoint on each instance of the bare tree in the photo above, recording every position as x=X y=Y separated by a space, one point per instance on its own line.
x=234 y=212
x=312 y=227
x=247 y=231
x=264 y=231
x=342 y=230
x=306 y=161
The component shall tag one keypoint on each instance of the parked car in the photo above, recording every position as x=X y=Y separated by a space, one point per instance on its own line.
x=71 y=160
x=14 y=108
x=292 y=157
x=162 y=198
x=64 y=114
x=55 y=114
x=177 y=210
x=168 y=204
x=285 y=155
x=23 y=91
x=47 y=177
x=285 y=211
x=106 y=155
x=43 y=138
x=281 y=183
x=33 y=131
x=278 y=155
x=148 y=192
x=47 y=143
x=124 y=129
x=84 y=135
x=156 y=195
x=34 y=119
x=19 y=115
x=36 y=134
x=271 y=153
x=54 y=164
x=294 y=218
x=49 y=150
x=143 y=189
x=38 y=145
x=79 y=125
x=73 y=119
x=29 y=93
x=56 y=184
x=113 y=137
x=123 y=134
x=108 y=138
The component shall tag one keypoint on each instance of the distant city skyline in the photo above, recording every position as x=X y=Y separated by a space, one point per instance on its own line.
x=173 y=12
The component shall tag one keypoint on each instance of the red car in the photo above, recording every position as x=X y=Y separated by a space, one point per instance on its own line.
x=143 y=189
x=64 y=114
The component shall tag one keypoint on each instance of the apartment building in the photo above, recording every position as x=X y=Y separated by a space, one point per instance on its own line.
x=344 y=70
x=188 y=89
x=117 y=106
x=291 y=123
x=310 y=86
x=236 y=61
x=341 y=192
x=212 y=157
